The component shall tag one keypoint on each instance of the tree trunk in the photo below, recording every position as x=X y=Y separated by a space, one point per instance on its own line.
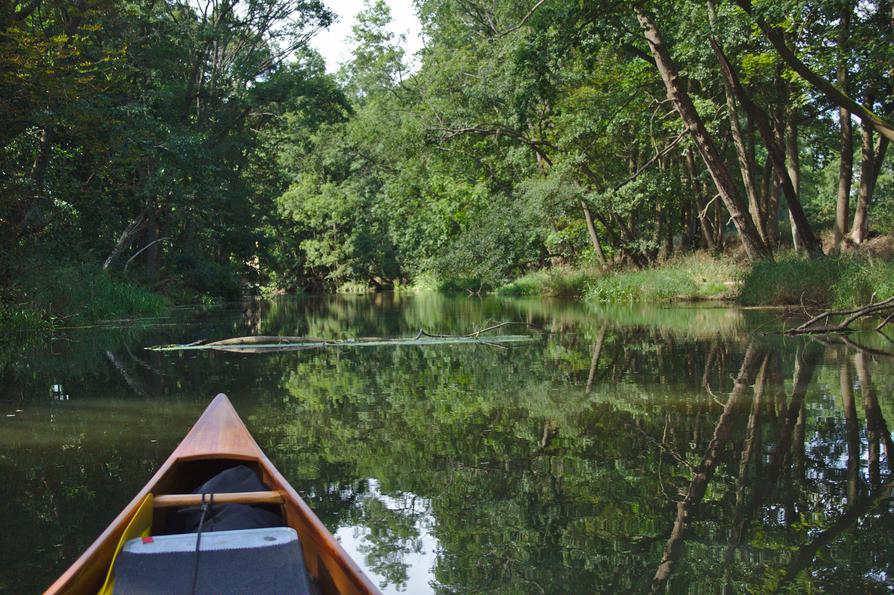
x=770 y=201
x=755 y=248
x=718 y=227
x=687 y=212
x=705 y=470
x=845 y=135
x=594 y=238
x=871 y=408
x=742 y=515
x=745 y=157
x=594 y=360
x=851 y=428
x=776 y=147
x=871 y=159
x=793 y=167
x=669 y=232
x=700 y=204
x=152 y=252
x=42 y=160
x=125 y=239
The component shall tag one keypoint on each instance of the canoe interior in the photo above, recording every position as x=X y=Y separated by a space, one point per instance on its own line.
x=186 y=476
x=219 y=440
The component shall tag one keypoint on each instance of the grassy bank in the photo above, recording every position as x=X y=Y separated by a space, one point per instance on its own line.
x=72 y=295
x=841 y=281
x=696 y=277
x=560 y=282
x=787 y=280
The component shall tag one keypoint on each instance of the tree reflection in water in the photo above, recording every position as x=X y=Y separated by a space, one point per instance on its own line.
x=636 y=450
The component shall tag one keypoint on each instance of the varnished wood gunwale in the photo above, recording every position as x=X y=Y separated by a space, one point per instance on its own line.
x=220 y=434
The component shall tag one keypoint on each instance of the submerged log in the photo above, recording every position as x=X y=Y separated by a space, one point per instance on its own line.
x=301 y=343
x=268 y=343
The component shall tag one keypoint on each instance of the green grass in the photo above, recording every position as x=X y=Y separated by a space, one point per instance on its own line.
x=842 y=281
x=694 y=277
x=787 y=280
x=691 y=278
x=74 y=294
x=559 y=282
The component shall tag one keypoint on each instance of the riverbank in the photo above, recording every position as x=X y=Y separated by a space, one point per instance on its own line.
x=787 y=280
x=72 y=295
x=80 y=294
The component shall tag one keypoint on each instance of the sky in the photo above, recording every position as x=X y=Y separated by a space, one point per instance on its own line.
x=335 y=46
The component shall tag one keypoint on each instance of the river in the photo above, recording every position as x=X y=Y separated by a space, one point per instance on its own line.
x=624 y=449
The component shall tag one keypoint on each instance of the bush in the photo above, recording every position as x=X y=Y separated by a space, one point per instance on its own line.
x=207 y=279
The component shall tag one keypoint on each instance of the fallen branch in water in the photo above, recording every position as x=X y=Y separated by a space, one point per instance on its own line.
x=265 y=344
x=882 y=308
x=478 y=333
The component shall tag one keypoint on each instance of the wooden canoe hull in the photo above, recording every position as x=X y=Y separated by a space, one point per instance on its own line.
x=219 y=439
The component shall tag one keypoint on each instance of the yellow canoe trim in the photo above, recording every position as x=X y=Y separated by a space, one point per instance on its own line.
x=140 y=526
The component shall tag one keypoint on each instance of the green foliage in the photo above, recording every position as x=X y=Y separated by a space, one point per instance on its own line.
x=518 y=141
x=157 y=114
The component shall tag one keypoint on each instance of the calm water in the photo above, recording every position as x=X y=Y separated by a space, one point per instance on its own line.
x=625 y=449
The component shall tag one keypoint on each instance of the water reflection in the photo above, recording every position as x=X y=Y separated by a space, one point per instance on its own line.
x=650 y=449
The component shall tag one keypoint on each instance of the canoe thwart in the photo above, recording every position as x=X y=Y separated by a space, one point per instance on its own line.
x=178 y=500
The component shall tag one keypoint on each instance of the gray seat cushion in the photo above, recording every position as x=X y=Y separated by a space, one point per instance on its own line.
x=262 y=561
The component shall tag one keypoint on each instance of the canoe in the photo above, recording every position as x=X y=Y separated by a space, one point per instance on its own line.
x=218 y=440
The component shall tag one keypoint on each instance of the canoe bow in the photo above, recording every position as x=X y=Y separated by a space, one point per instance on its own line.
x=221 y=434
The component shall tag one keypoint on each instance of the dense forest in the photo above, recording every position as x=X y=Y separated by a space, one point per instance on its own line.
x=200 y=149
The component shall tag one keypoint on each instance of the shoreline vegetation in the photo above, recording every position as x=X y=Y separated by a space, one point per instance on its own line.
x=789 y=280
x=162 y=153
x=73 y=296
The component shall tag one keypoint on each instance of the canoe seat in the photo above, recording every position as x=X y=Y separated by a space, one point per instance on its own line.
x=259 y=561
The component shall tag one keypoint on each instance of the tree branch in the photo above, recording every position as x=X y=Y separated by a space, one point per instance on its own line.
x=832 y=93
